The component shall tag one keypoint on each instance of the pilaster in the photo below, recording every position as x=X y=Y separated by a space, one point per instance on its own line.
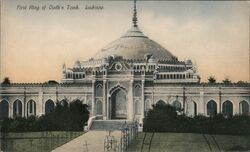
x=142 y=99
x=104 y=102
x=93 y=98
x=130 y=101
x=201 y=105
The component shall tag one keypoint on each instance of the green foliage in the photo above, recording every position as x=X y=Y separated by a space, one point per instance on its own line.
x=211 y=79
x=242 y=82
x=226 y=81
x=6 y=81
x=62 y=118
x=163 y=118
x=51 y=82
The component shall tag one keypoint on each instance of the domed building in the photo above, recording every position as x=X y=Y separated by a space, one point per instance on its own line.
x=123 y=80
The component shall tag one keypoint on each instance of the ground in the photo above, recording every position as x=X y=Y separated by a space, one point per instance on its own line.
x=183 y=142
x=93 y=141
x=35 y=141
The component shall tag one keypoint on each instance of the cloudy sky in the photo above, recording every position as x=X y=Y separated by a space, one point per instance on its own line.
x=36 y=43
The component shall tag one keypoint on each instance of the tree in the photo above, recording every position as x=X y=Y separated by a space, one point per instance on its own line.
x=242 y=82
x=6 y=81
x=227 y=81
x=52 y=82
x=211 y=79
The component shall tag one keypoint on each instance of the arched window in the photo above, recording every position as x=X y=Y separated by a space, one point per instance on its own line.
x=49 y=106
x=211 y=108
x=31 y=108
x=17 y=108
x=64 y=103
x=244 y=108
x=227 y=108
x=177 y=105
x=137 y=90
x=4 y=109
x=191 y=108
x=99 y=90
x=98 y=107
x=160 y=102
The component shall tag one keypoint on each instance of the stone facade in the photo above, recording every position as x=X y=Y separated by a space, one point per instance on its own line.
x=123 y=80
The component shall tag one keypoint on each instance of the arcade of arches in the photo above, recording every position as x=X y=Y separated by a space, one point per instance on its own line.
x=119 y=105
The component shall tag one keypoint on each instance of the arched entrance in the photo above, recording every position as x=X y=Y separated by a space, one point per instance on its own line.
x=64 y=103
x=4 y=109
x=49 y=106
x=17 y=108
x=211 y=108
x=119 y=104
x=244 y=108
x=227 y=108
x=31 y=108
x=177 y=105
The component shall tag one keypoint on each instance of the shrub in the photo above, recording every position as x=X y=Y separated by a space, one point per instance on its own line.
x=163 y=118
x=62 y=118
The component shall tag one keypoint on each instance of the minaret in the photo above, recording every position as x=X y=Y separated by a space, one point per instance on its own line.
x=134 y=19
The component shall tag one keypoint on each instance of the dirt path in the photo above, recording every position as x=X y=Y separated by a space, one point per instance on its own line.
x=93 y=139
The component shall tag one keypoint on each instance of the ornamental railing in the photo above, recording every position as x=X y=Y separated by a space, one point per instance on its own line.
x=128 y=134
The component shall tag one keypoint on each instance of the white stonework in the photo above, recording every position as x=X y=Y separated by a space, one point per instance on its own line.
x=123 y=80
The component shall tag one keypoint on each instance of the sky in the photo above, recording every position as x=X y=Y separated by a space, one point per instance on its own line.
x=36 y=43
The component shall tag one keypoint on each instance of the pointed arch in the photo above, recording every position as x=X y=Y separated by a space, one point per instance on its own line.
x=4 y=109
x=244 y=108
x=31 y=108
x=17 y=108
x=64 y=103
x=177 y=105
x=227 y=108
x=118 y=103
x=137 y=90
x=161 y=102
x=99 y=90
x=211 y=108
x=49 y=106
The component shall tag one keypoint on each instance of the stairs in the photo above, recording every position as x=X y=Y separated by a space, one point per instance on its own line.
x=108 y=124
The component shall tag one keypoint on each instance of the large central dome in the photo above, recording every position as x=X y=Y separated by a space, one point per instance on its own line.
x=134 y=45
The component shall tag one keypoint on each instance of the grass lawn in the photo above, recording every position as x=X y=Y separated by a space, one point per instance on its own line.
x=35 y=141
x=188 y=142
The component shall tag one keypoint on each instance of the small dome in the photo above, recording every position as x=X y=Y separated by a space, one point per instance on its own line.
x=134 y=45
x=188 y=61
x=78 y=64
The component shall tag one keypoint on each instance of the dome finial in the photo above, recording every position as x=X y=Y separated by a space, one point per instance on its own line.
x=135 y=15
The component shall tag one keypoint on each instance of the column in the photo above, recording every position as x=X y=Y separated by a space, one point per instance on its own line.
x=236 y=107
x=93 y=98
x=107 y=103
x=201 y=107
x=142 y=99
x=104 y=103
x=10 y=109
x=184 y=101
x=24 y=109
x=130 y=101
x=220 y=106
x=33 y=107
x=40 y=109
